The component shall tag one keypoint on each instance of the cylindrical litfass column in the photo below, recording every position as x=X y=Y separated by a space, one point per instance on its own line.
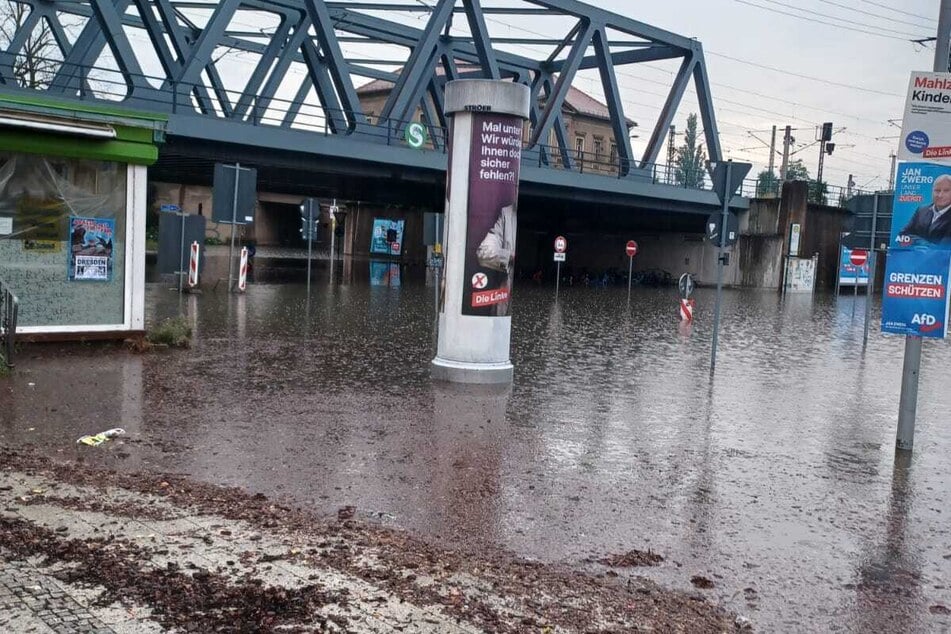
x=475 y=307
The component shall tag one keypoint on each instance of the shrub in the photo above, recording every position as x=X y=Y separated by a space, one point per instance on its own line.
x=173 y=332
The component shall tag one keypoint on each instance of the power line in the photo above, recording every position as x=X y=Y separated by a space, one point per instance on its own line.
x=874 y=15
x=885 y=6
x=809 y=77
x=838 y=26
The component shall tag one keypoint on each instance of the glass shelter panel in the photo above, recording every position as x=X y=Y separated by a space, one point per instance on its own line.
x=62 y=239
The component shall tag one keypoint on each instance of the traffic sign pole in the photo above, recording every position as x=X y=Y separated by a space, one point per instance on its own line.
x=857 y=258
x=871 y=271
x=723 y=232
x=561 y=245
x=630 y=273
x=631 y=250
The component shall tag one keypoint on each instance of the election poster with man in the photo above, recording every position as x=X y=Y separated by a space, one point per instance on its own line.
x=915 y=297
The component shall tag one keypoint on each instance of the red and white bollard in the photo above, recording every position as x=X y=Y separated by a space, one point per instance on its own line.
x=686 y=310
x=243 y=270
x=193 y=265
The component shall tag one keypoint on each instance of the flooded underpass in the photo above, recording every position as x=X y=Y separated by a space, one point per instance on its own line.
x=776 y=479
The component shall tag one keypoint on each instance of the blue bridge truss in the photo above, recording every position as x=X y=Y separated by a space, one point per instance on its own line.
x=283 y=76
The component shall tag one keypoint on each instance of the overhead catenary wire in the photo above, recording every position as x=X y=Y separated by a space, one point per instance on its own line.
x=910 y=36
x=872 y=14
x=891 y=8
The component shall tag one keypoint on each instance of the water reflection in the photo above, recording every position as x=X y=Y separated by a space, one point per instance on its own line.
x=775 y=475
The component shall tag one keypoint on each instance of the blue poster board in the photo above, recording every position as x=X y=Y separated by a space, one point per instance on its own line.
x=922 y=196
x=915 y=298
x=849 y=274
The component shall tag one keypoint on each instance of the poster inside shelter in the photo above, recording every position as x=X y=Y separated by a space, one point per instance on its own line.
x=387 y=236
x=90 y=249
x=494 y=164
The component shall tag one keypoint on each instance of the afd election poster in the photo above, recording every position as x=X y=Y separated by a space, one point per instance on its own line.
x=926 y=126
x=494 y=165
x=90 y=252
x=921 y=215
x=915 y=298
x=849 y=274
x=387 y=237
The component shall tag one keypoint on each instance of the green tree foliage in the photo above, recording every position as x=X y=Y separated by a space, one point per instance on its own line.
x=690 y=160
x=769 y=184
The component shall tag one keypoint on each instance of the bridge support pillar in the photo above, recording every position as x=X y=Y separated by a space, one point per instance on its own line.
x=475 y=307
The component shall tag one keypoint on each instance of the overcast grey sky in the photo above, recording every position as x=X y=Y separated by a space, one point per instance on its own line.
x=858 y=58
x=876 y=56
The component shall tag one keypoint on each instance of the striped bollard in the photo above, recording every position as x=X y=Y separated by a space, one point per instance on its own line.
x=243 y=270
x=686 y=310
x=193 y=265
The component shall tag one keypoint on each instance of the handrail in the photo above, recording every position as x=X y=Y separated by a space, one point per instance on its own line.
x=9 y=307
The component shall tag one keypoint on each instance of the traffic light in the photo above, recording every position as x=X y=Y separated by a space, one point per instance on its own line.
x=309 y=219
x=826 y=131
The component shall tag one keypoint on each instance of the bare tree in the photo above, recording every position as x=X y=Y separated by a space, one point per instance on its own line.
x=40 y=57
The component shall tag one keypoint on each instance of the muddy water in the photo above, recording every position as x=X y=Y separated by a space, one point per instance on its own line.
x=776 y=479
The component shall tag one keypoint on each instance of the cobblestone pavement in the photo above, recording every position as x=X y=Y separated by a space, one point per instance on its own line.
x=33 y=601
x=146 y=555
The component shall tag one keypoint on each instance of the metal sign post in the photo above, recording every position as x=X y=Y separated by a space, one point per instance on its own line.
x=873 y=257
x=561 y=245
x=908 y=405
x=722 y=246
x=727 y=178
x=234 y=218
x=858 y=258
x=631 y=250
x=333 y=235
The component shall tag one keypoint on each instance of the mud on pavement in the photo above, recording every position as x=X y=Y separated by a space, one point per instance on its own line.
x=88 y=550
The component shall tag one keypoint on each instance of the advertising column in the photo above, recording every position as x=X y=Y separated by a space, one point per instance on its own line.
x=481 y=210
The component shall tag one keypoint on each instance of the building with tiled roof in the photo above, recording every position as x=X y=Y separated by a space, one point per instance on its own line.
x=587 y=122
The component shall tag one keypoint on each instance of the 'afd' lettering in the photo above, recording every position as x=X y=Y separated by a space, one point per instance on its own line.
x=924 y=319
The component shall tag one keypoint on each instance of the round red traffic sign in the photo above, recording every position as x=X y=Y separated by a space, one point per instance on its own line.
x=631 y=248
x=859 y=257
x=561 y=244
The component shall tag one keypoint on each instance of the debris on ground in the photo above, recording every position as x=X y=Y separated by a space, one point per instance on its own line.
x=97 y=439
x=189 y=556
x=632 y=559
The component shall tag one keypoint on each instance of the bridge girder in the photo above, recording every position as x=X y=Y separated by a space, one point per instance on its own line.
x=169 y=56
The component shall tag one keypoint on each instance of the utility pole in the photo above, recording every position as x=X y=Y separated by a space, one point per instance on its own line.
x=891 y=174
x=787 y=141
x=772 y=153
x=908 y=405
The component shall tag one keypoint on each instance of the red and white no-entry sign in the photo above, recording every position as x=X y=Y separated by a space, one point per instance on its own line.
x=631 y=248
x=859 y=257
x=561 y=244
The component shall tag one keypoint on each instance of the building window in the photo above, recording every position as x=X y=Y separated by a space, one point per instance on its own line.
x=613 y=153
x=598 y=149
x=579 y=147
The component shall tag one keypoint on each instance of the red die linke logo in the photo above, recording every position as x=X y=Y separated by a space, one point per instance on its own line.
x=489 y=297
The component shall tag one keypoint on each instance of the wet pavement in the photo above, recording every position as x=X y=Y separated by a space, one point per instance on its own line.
x=777 y=479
